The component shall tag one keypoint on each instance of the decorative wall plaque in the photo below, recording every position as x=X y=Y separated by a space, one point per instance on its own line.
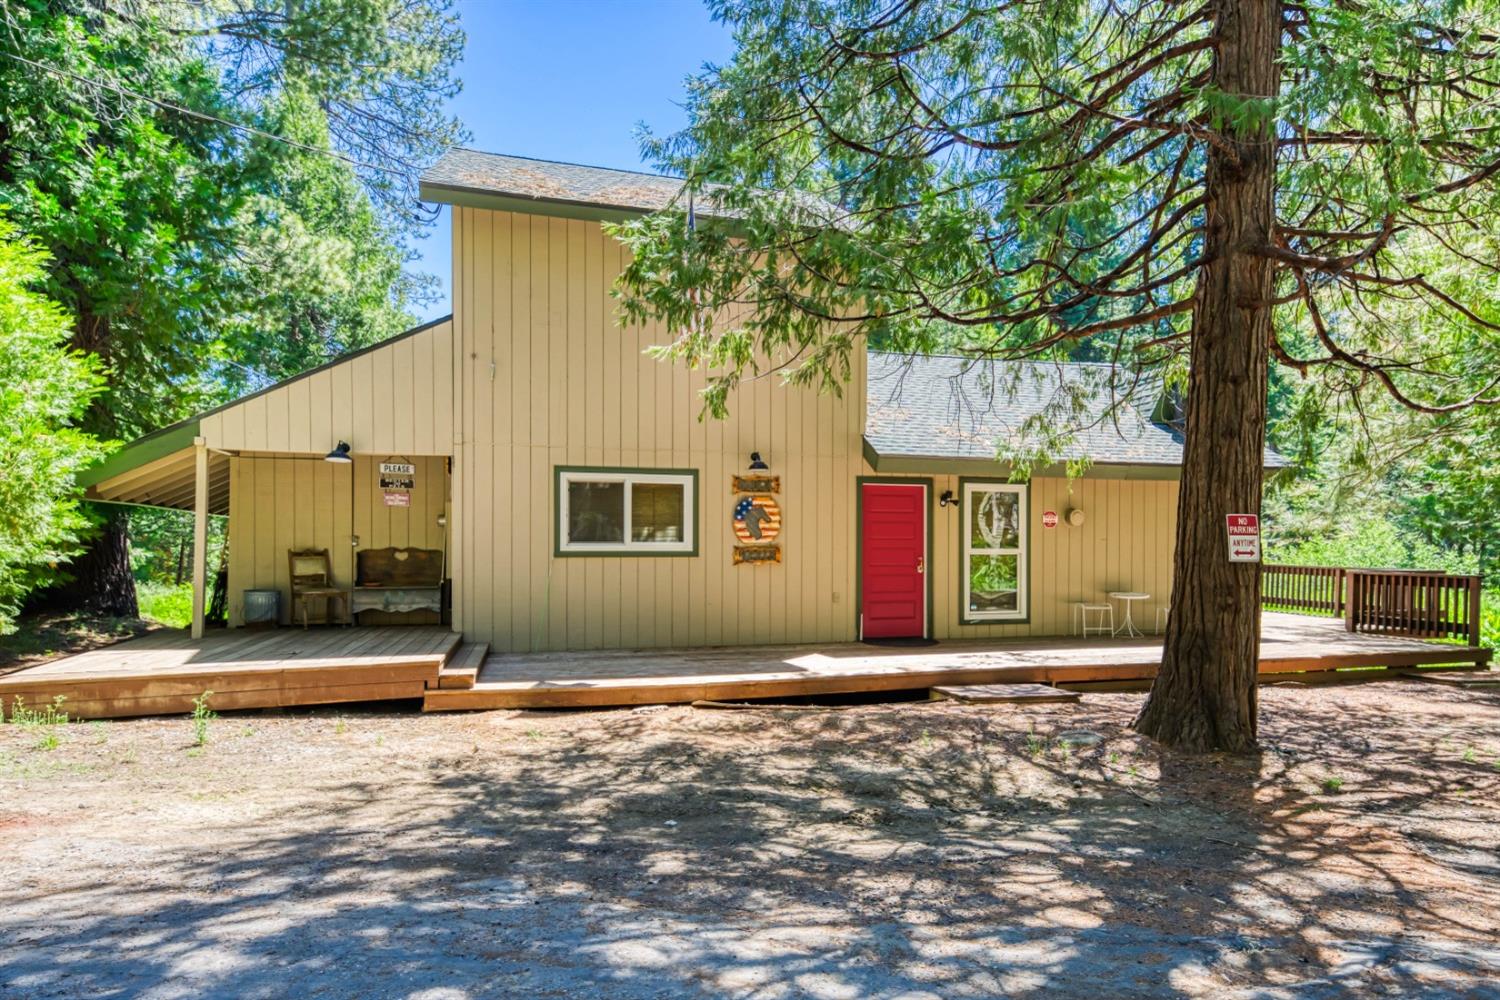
x=757 y=519
x=755 y=484
x=757 y=554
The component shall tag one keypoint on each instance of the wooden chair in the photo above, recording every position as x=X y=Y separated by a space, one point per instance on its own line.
x=312 y=579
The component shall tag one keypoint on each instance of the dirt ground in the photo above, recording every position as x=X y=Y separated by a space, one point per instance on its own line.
x=908 y=851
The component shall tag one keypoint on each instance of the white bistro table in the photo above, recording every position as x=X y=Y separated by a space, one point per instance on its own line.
x=1128 y=598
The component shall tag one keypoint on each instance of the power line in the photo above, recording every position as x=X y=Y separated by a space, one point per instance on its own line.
x=204 y=116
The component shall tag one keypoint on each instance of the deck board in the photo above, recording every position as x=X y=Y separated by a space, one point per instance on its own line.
x=1290 y=644
x=163 y=672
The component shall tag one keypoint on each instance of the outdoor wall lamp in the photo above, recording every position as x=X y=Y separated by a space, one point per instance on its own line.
x=339 y=454
x=756 y=463
x=947 y=499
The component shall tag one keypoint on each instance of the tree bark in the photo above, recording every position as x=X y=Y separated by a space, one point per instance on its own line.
x=99 y=580
x=1204 y=697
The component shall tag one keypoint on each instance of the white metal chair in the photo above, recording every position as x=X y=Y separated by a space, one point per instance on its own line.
x=1104 y=622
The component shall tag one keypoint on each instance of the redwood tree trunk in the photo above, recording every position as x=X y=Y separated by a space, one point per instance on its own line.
x=99 y=580
x=1204 y=698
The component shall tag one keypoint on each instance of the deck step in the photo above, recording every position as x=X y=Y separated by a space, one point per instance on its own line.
x=1457 y=678
x=462 y=668
x=998 y=694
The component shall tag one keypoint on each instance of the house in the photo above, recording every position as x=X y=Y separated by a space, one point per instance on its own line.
x=578 y=502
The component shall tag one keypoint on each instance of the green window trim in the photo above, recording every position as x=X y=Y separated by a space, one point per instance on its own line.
x=563 y=474
x=967 y=488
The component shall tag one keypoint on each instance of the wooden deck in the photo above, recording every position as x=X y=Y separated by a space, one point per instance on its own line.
x=163 y=672
x=1291 y=645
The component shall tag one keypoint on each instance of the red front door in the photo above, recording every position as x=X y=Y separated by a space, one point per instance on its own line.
x=893 y=560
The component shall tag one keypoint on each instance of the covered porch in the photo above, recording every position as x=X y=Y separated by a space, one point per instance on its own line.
x=349 y=463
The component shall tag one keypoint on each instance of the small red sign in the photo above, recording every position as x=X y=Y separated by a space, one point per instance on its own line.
x=1049 y=518
x=397 y=498
x=1244 y=537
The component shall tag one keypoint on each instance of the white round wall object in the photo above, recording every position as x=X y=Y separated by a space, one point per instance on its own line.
x=1075 y=517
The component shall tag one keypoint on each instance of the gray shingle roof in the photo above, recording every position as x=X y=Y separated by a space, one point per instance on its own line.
x=591 y=190
x=548 y=180
x=960 y=407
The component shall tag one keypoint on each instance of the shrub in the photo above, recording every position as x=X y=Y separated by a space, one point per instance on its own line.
x=44 y=390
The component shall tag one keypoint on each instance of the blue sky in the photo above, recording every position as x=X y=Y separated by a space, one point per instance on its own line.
x=569 y=80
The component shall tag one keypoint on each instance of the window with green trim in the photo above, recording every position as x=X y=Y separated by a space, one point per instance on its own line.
x=994 y=552
x=640 y=512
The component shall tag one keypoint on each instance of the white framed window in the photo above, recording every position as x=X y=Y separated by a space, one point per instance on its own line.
x=603 y=511
x=995 y=577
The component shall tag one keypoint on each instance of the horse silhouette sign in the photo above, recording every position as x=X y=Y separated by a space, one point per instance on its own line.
x=757 y=520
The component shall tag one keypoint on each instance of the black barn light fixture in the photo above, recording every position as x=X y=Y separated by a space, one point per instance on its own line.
x=757 y=464
x=339 y=454
x=947 y=499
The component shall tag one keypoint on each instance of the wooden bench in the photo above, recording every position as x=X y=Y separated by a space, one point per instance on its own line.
x=398 y=580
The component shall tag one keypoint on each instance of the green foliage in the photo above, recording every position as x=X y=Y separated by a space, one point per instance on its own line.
x=161 y=542
x=44 y=389
x=1364 y=540
x=1489 y=619
x=168 y=605
x=202 y=716
x=202 y=259
x=45 y=720
x=48 y=715
x=1030 y=180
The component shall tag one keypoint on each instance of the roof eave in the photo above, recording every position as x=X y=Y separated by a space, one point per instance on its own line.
x=153 y=446
x=559 y=208
x=898 y=462
x=892 y=462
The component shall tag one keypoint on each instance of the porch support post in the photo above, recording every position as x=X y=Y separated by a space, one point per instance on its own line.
x=200 y=532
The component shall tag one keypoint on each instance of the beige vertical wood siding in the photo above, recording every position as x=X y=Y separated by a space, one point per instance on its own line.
x=535 y=372
x=283 y=502
x=1125 y=544
x=394 y=399
x=547 y=377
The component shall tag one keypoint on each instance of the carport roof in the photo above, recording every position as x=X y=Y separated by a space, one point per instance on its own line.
x=158 y=470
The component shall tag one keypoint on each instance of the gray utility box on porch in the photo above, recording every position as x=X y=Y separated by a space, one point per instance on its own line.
x=262 y=607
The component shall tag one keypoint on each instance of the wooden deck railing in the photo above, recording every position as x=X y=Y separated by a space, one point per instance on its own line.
x=1426 y=604
x=1319 y=589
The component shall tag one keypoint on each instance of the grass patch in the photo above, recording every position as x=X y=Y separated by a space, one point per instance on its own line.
x=45 y=721
x=165 y=604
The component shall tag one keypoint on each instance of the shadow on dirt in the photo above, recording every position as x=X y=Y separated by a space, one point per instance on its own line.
x=911 y=851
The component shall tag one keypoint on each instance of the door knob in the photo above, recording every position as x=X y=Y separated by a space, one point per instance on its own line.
x=921 y=564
